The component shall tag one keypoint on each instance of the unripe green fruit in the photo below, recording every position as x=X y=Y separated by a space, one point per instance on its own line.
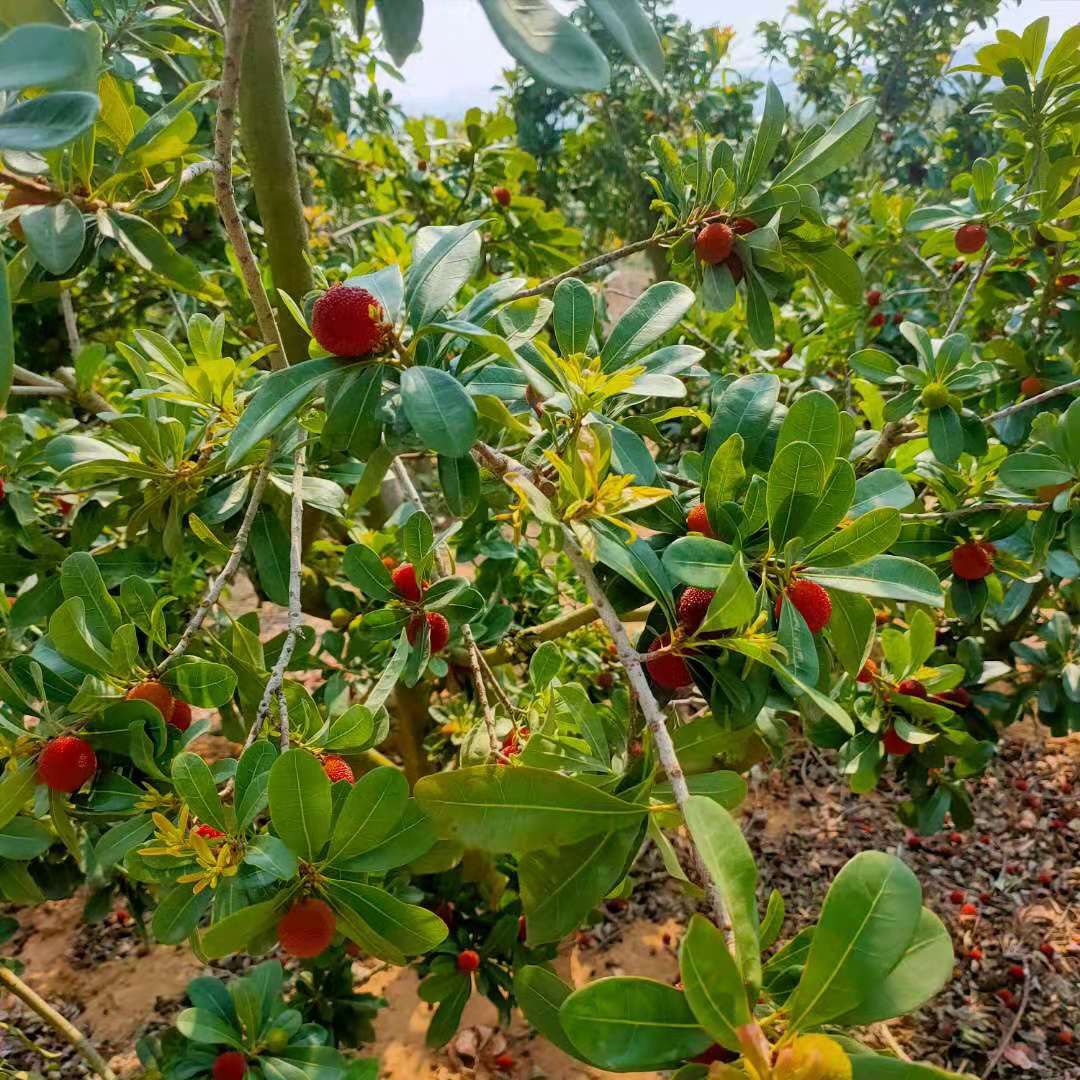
x=935 y=395
x=340 y=618
x=277 y=1039
x=354 y=626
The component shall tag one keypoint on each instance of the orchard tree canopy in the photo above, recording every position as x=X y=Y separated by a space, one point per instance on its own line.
x=385 y=581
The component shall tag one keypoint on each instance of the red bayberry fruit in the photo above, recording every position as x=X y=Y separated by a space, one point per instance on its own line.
x=438 y=630
x=66 y=763
x=958 y=697
x=735 y=266
x=208 y=832
x=1045 y=878
x=605 y=680
x=969 y=910
x=970 y=238
x=873 y=297
x=956 y=896
x=668 y=670
x=894 y=744
x=522 y=928
x=713 y=243
x=468 y=960
x=180 y=717
x=1031 y=386
x=1020 y=784
x=911 y=688
x=956 y=838
x=337 y=768
x=693 y=604
x=1065 y=1037
x=697 y=520
x=1067 y=281
x=231 y=1065
x=501 y=195
x=743 y=225
x=353 y=950
x=307 y=928
x=503 y=1062
x=811 y=602
x=1046 y=949
x=877 y=319
x=1016 y=971
x=867 y=673
x=157 y=694
x=972 y=561
x=347 y=321
x=404 y=578
x=1005 y=996
x=975 y=954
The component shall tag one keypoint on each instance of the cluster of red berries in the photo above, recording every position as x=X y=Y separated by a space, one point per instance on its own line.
x=307 y=928
x=714 y=243
x=973 y=560
x=412 y=591
x=348 y=321
x=173 y=710
x=970 y=238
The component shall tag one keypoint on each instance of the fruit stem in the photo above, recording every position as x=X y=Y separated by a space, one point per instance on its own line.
x=63 y=1027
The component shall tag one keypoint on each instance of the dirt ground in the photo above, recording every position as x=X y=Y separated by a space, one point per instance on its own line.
x=1020 y=869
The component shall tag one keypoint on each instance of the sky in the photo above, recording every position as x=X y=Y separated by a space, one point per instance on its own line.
x=460 y=60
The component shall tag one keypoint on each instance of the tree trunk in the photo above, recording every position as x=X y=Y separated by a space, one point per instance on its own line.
x=268 y=146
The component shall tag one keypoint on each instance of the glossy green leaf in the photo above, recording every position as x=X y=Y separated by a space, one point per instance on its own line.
x=46 y=122
x=540 y=994
x=442 y=414
x=712 y=983
x=401 y=21
x=55 y=234
x=200 y=682
x=869 y=535
x=796 y=480
x=373 y=807
x=572 y=318
x=300 y=802
x=179 y=913
x=656 y=311
x=886 y=576
x=195 y=785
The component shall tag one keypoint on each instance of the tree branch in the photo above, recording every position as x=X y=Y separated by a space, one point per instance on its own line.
x=224 y=130
x=1037 y=399
x=63 y=1027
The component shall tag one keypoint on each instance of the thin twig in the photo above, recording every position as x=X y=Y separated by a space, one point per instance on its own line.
x=63 y=1027
x=218 y=584
x=1038 y=399
x=71 y=324
x=969 y=292
x=224 y=130
x=32 y=378
x=974 y=508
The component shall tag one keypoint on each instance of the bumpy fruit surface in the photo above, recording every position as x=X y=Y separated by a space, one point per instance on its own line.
x=180 y=717
x=1031 y=386
x=307 y=928
x=972 y=561
x=693 y=604
x=970 y=238
x=813 y=1057
x=873 y=297
x=438 y=630
x=935 y=395
x=468 y=960
x=735 y=266
x=697 y=520
x=405 y=583
x=743 y=225
x=667 y=670
x=893 y=744
x=867 y=673
x=713 y=243
x=958 y=697
x=66 y=763
x=501 y=195
x=156 y=693
x=911 y=688
x=877 y=319
x=232 y=1065
x=337 y=768
x=347 y=321
x=811 y=602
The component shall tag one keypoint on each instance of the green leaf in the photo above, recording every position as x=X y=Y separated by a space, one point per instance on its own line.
x=1029 y=470
x=551 y=47
x=273 y=856
x=634 y=34
x=843 y=142
x=161 y=120
x=814 y=419
x=656 y=311
x=699 y=561
x=121 y=839
x=72 y=638
x=153 y=252
x=868 y=919
x=55 y=234
x=439 y=409
x=232 y=934
x=252 y=777
x=868 y=535
x=7 y=335
x=876 y=1067
x=726 y=474
x=745 y=407
x=410 y=929
x=281 y=394
x=23 y=839
x=200 y=682
x=886 y=576
x=410 y=838
x=924 y=968
x=300 y=802
x=203 y=1026
x=459 y=478
x=373 y=807
x=352 y=412
x=946 y=434
x=851 y=627
x=795 y=482
x=882 y=487
x=712 y=984
x=401 y=21
x=179 y=913
x=46 y=122
x=734 y=603
x=37 y=54
x=520 y=809
x=270 y=548
x=560 y=885
x=731 y=865
x=632 y=1024
x=766 y=138
x=80 y=576
x=366 y=571
x=572 y=318
x=444 y=258
x=195 y=785
x=540 y=994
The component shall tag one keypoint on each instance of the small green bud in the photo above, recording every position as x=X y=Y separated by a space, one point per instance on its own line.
x=340 y=618
x=935 y=395
x=277 y=1039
